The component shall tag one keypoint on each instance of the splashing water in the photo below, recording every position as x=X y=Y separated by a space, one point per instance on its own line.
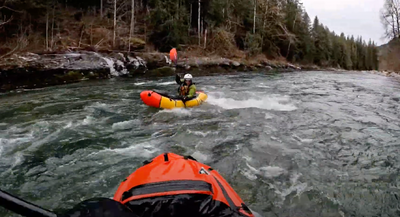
x=277 y=103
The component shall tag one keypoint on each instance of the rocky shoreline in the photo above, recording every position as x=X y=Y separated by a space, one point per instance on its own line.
x=30 y=70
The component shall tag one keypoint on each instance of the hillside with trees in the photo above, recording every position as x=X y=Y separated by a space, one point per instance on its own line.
x=273 y=29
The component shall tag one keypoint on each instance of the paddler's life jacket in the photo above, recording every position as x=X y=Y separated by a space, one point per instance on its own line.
x=183 y=89
x=175 y=186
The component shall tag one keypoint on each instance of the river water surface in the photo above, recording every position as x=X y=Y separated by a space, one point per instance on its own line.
x=291 y=144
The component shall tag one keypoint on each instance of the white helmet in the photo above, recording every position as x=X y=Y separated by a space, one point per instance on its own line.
x=188 y=77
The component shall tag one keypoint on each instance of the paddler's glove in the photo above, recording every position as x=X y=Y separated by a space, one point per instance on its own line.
x=99 y=207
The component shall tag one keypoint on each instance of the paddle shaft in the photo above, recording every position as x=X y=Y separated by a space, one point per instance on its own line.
x=22 y=207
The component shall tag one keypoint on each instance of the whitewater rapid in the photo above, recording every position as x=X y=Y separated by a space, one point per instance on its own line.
x=304 y=144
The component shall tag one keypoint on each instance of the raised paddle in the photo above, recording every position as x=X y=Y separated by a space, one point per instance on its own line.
x=23 y=207
x=173 y=55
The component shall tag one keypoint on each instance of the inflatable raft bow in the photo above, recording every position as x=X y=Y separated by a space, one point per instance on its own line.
x=170 y=185
x=175 y=186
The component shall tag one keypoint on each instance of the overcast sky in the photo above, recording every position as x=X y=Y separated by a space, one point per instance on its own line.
x=352 y=17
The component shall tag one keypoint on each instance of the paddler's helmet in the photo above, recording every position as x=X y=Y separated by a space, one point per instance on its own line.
x=188 y=77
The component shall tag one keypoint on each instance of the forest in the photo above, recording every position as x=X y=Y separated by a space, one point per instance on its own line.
x=275 y=29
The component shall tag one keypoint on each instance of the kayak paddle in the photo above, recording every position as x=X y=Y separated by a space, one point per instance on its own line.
x=22 y=207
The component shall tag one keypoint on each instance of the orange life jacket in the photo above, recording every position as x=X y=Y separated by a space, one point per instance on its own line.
x=184 y=90
x=175 y=186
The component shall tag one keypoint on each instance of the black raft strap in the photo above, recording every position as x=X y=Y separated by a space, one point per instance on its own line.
x=246 y=208
x=165 y=157
x=147 y=162
x=189 y=158
x=226 y=195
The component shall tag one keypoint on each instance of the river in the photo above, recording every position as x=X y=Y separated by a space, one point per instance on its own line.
x=291 y=144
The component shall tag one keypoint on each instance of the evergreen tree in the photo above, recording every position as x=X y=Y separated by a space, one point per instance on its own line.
x=276 y=28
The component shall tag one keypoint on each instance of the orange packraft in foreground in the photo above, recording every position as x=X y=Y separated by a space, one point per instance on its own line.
x=175 y=186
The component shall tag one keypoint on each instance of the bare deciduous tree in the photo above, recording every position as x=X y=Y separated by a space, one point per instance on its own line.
x=115 y=22
x=255 y=14
x=198 y=24
x=390 y=18
x=132 y=28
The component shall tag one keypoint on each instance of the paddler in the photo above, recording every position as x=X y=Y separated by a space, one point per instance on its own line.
x=187 y=89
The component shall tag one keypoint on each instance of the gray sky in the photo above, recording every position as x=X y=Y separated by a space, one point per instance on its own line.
x=352 y=17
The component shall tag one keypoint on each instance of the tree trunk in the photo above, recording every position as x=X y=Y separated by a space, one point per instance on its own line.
x=198 y=25
x=115 y=22
x=255 y=14
x=288 y=49
x=190 y=19
x=101 y=8
x=178 y=4
x=52 y=28
x=91 y=34
x=202 y=27
x=393 y=27
x=132 y=30
x=205 y=39
x=396 y=9
x=47 y=28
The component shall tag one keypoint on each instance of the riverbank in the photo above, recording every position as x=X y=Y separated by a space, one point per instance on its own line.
x=37 y=70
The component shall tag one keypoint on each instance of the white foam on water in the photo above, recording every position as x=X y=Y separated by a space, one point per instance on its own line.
x=18 y=157
x=271 y=171
x=268 y=116
x=248 y=174
x=140 y=83
x=256 y=214
x=265 y=102
x=124 y=125
x=295 y=177
x=8 y=144
x=167 y=83
x=200 y=156
x=202 y=134
x=49 y=138
x=177 y=111
x=299 y=189
x=145 y=150
x=73 y=54
x=88 y=120
x=16 y=141
x=101 y=106
x=251 y=168
x=302 y=140
x=69 y=125
x=262 y=85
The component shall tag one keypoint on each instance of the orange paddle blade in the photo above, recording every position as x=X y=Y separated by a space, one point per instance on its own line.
x=173 y=55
